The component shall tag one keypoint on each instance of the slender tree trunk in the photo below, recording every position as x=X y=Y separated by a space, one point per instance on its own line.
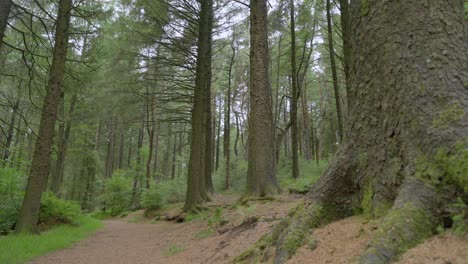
x=336 y=86
x=5 y=6
x=218 y=139
x=130 y=148
x=227 y=119
x=308 y=148
x=345 y=29
x=11 y=129
x=199 y=170
x=137 y=176
x=121 y=150
x=156 y=151
x=261 y=175
x=37 y=180
x=174 y=155
x=236 y=141
x=294 y=96
x=150 y=131
x=62 y=146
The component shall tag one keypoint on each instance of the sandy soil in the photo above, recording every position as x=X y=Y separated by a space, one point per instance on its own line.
x=122 y=241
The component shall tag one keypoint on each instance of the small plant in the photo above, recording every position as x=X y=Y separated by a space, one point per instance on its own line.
x=204 y=233
x=216 y=219
x=173 y=250
x=246 y=211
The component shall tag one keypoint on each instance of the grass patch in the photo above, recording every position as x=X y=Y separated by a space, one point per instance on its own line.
x=174 y=249
x=21 y=248
x=204 y=233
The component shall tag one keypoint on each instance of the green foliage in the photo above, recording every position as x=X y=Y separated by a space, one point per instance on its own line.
x=101 y=215
x=172 y=191
x=151 y=199
x=460 y=217
x=11 y=196
x=117 y=194
x=21 y=248
x=309 y=174
x=238 y=174
x=57 y=211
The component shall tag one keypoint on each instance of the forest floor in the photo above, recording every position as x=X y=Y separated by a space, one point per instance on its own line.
x=227 y=229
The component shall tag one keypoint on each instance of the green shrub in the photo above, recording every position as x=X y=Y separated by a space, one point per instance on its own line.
x=57 y=211
x=117 y=196
x=310 y=172
x=11 y=197
x=9 y=212
x=238 y=176
x=151 y=199
x=172 y=191
x=460 y=217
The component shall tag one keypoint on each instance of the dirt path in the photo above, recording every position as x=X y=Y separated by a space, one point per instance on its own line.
x=122 y=242
x=194 y=242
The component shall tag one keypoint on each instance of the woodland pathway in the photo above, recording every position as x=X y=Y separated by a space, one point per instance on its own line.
x=123 y=242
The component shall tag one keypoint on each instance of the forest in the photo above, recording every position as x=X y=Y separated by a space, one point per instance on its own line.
x=233 y=131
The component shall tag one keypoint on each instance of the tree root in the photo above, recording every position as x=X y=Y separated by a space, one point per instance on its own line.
x=409 y=222
x=287 y=236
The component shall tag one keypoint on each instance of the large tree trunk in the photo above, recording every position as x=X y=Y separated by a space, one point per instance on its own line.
x=199 y=169
x=5 y=6
x=261 y=175
x=37 y=180
x=406 y=146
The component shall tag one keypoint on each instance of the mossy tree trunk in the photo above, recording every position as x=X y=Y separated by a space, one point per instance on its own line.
x=40 y=165
x=199 y=169
x=261 y=175
x=406 y=146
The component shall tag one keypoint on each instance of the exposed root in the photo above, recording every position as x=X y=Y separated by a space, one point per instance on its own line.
x=286 y=237
x=245 y=200
x=409 y=222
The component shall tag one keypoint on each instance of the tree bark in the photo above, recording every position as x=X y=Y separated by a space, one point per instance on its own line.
x=199 y=169
x=11 y=129
x=150 y=130
x=336 y=86
x=261 y=175
x=294 y=95
x=408 y=77
x=227 y=119
x=5 y=7
x=37 y=180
